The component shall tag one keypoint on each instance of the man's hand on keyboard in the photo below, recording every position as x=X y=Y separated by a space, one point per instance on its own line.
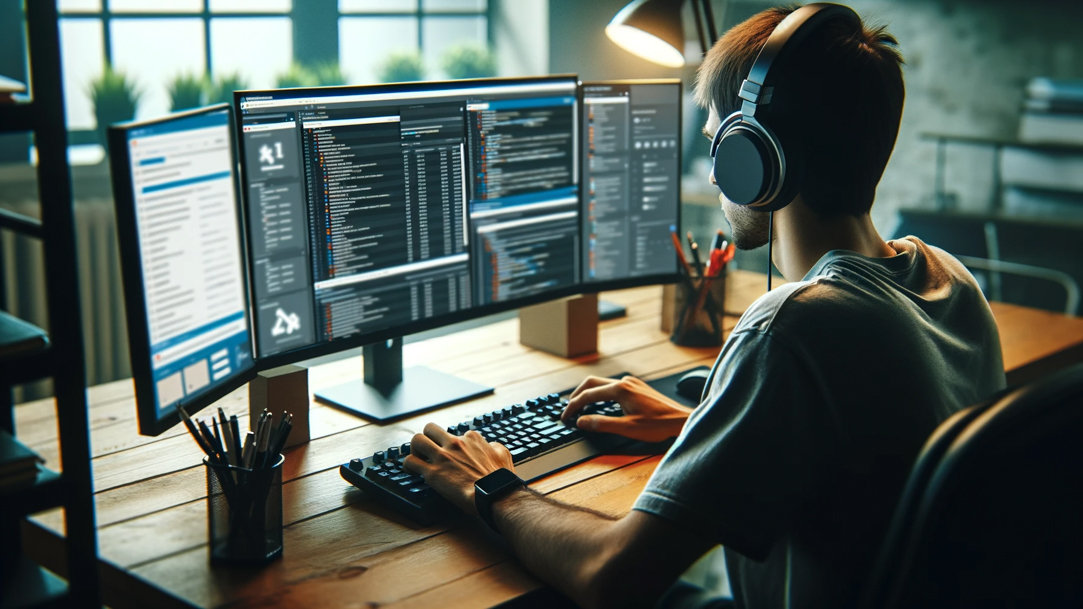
x=648 y=415
x=451 y=464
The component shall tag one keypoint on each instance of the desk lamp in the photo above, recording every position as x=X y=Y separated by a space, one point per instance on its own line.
x=653 y=29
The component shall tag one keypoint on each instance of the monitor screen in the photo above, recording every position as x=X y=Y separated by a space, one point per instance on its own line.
x=631 y=181
x=181 y=257
x=382 y=210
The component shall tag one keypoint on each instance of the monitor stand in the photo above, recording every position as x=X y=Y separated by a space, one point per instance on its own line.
x=390 y=392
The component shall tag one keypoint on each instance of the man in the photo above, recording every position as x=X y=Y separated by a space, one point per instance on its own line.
x=819 y=400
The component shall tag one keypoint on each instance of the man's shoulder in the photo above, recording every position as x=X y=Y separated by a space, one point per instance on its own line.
x=805 y=303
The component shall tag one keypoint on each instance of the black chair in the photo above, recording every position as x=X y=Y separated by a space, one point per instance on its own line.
x=992 y=515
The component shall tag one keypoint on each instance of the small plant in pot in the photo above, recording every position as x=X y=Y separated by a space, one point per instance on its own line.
x=114 y=97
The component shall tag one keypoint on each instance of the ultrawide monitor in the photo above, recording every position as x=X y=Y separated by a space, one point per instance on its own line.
x=379 y=211
x=181 y=257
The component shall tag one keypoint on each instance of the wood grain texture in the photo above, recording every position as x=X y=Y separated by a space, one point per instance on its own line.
x=341 y=549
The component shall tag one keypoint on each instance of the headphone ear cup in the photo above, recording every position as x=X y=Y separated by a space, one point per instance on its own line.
x=749 y=166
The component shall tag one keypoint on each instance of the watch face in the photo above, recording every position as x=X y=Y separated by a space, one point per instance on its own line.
x=498 y=480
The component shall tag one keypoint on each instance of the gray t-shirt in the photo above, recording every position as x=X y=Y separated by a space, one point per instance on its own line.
x=816 y=408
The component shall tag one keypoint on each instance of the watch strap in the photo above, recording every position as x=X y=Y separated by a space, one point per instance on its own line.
x=490 y=488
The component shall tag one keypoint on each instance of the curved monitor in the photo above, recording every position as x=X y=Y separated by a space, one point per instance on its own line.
x=379 y=211
x=179 y=230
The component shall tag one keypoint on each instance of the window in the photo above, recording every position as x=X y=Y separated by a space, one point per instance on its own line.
x=155 y=41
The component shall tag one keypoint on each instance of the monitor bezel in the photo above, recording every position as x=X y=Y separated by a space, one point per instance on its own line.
x=151 y=423
x=591 y=287
x=322 y=348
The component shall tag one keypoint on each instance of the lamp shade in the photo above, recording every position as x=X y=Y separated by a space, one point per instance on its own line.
x=651 y=29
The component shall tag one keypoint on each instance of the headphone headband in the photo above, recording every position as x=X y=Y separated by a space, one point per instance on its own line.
x=787 y=34
x=752 y=165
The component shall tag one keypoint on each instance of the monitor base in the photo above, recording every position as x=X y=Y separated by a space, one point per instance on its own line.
x=610 y=310
x=421 y=389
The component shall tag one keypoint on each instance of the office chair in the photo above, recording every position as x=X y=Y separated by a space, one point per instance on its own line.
x=992 y=515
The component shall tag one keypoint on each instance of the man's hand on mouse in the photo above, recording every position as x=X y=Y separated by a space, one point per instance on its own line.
x=648 y=415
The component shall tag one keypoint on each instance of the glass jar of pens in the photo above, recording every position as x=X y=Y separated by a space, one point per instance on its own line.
x=692 y=309
x=244 y=485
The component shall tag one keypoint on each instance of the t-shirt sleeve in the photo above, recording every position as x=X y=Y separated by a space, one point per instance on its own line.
x=750 y=455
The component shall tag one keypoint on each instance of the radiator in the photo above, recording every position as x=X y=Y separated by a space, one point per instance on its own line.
x=105 y=333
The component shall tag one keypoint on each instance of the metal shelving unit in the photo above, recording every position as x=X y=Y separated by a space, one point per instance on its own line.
x=28 y=353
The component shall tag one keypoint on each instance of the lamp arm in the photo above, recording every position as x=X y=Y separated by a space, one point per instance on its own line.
x=705 y=28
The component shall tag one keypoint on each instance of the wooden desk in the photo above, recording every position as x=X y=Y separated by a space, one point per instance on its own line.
x=341 y=550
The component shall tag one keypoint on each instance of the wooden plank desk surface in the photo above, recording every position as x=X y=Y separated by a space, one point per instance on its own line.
x=340 y=549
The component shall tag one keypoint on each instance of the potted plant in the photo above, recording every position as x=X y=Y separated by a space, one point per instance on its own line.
x=186 y=91
x=221 y=89
x=469 y=60
x=401 y=66
x=297 y=75
x=328 y=73
x=114 y=97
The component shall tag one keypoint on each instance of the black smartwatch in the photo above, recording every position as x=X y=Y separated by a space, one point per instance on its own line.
x=492 y=487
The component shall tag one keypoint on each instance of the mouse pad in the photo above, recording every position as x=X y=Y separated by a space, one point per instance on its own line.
x=667 y=385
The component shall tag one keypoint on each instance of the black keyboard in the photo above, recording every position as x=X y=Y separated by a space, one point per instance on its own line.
x=540 y=443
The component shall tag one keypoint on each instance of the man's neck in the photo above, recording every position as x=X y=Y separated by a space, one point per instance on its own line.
x=802 y=238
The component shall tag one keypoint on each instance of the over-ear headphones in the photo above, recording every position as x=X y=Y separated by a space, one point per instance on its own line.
x=752 y=166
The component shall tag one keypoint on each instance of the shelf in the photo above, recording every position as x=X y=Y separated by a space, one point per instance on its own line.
x=28 y=585
x=999 y=142
x=20 y=223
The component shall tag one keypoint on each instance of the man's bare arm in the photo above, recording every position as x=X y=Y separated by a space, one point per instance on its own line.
x=597 y=560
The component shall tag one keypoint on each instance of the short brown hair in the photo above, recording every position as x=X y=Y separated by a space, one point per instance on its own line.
x=837 y=103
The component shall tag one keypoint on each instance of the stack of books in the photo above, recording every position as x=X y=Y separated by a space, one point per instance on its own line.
x=1043 y=174
x=1052 y=112
x=10 y=90
x=18 y=464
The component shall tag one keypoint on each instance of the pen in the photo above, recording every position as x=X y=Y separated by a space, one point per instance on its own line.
x=719 y=241
x=218 y=438
x=235 y=429
x=208 y=437
x=680 y=256
x=247 y=452
x=227 y=437
x=692 y=245
x=192 y=430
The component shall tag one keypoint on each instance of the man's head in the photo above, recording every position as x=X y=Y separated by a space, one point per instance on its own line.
x=836 y=106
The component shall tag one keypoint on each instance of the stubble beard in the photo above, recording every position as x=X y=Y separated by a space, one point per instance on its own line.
x=749 y=228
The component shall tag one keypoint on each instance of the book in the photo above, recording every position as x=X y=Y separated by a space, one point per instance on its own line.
x=18 y=337
x=18 y=464
x=9 y=88
x=1051 y=127
x=1062 y=90
x=1053 y=169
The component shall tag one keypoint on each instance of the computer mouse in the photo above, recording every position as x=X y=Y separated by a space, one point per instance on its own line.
x=690 y=385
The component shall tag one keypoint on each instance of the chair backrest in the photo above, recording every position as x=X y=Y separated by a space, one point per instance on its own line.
x=992 y=515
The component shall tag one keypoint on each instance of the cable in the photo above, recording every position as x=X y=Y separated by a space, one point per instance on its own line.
x=770 y=244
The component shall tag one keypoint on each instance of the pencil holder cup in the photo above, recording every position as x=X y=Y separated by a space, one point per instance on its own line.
x=692 y=311
x=244 y=513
